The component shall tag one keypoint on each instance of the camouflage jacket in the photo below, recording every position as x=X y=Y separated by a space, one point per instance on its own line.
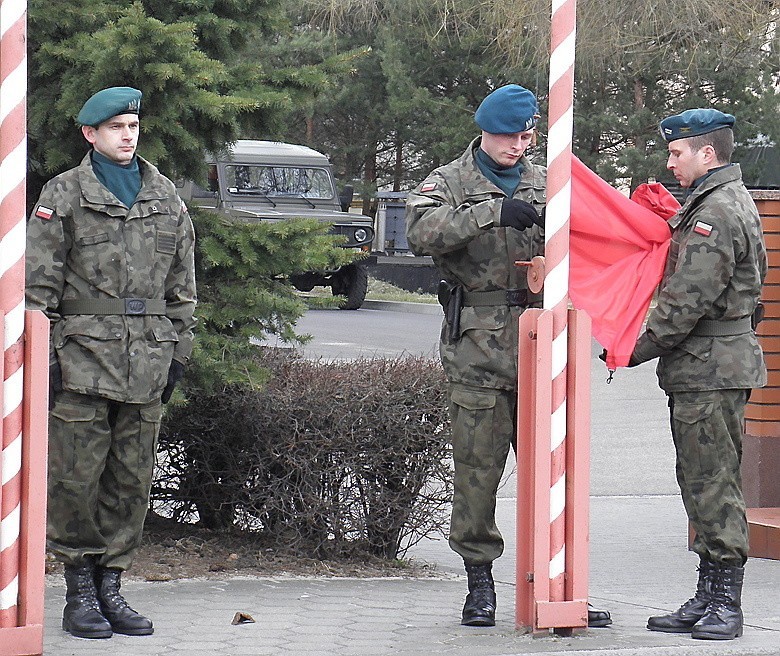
x=83 y=243
x=716 y=265
x=451 y=216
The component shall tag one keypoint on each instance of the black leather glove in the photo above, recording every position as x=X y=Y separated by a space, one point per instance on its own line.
x=631 y=361
x=55 y=381
x=518 y=214
x=175 y=374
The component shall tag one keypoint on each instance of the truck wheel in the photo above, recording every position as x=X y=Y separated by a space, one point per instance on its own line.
x=352 y=282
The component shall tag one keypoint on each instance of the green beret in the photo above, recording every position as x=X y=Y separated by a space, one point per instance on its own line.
x=507 y=110
x=108 y=103
x=693 y=122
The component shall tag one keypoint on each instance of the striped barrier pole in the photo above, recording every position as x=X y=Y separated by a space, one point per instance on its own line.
x=13 y=163
x=556 y=286
x=554 y=392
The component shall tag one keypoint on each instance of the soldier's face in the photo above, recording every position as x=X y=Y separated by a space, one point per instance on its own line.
x=506 y=149
x=116 y=138
x=688 y=165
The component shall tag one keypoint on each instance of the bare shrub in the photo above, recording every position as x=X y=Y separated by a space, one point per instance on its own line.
x=331 y=459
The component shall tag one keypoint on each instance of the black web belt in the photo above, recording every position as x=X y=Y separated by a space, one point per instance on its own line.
x=713 y=328
x=113 y=306
x=511 y=297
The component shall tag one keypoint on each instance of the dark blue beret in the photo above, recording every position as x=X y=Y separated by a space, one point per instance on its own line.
x=108 y=103
x=693 y=122
x=507 y=110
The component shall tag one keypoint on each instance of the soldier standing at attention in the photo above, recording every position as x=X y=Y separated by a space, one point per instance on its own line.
x=709 y=359
x=110 y=260
x=476 y=216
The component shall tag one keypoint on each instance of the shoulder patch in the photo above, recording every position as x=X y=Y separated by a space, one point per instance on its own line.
x=43 y=212
x=184 y=207
x=428 y=186
x=703 y=228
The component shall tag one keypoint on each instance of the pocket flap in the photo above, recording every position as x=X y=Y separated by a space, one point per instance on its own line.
x=697 y=346
x=473 y=400
x=690 y=413
x=165 y=334
x=67 y=412
x=491 y=317
x=151 y=414
x=107 y=327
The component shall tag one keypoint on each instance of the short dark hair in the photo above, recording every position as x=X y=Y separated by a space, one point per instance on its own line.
x=721 y=140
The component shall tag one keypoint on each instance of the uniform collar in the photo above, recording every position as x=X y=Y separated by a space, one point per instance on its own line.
x=95 y=193
x=712 y=180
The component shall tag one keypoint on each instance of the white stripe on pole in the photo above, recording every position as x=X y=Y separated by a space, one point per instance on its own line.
x=12 y=461
x=10 y=595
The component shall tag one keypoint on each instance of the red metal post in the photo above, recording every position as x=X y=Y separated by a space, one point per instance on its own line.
x=13 y=155
x=537 y=609
x=26 y=639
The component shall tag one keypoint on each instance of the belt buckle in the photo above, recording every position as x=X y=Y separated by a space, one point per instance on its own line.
x=135 y=306
x=516 y=296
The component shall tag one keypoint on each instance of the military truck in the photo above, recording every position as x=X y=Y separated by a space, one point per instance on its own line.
x=273 y=181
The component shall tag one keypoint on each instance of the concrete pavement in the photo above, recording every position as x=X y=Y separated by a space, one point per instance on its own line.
x=639 y=566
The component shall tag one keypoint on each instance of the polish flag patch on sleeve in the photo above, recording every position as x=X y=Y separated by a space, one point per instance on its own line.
x=44 y=213
x=702 y=228
x=428 y=186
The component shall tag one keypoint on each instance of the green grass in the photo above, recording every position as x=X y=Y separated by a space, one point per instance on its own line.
x=379 y=290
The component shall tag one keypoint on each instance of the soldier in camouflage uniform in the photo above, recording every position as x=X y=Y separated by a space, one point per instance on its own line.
x=110 y=260
x=476 y=216
x=710 y=359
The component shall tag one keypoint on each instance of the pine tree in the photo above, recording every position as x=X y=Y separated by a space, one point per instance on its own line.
x=186 y=57
x=244 y=296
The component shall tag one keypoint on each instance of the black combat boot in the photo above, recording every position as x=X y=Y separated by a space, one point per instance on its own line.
x=723 y=618
x=82 y=617
x=480 y=606
x=683 y=619
x=116 y=610
x=598 y=617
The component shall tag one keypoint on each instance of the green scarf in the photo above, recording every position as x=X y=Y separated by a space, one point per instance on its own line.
x=506 y=179
x=122 y=181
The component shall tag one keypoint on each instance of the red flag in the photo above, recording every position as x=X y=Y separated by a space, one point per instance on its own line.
x=617 y=253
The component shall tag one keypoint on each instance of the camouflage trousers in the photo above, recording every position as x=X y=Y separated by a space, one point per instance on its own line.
x=101 y=459
x=483 y=429
x=707 y=429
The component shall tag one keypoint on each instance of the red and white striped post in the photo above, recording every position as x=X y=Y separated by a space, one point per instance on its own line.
x=13 y=163
x=553 y=363
x=23 y=368
x=556 y=286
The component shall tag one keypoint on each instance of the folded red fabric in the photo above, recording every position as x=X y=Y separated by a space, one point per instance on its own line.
x=617 y=252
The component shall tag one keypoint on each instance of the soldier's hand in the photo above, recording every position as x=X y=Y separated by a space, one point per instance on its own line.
x=55 y=381
x=632 y=362
x=175 y=374
x=518 y=214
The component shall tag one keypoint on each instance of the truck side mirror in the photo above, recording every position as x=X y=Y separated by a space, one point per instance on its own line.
x=345 y=197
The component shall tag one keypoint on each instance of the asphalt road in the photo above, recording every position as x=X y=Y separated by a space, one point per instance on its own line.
x=631 y=449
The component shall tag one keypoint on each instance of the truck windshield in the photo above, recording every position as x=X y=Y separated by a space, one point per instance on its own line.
x=278 y=181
